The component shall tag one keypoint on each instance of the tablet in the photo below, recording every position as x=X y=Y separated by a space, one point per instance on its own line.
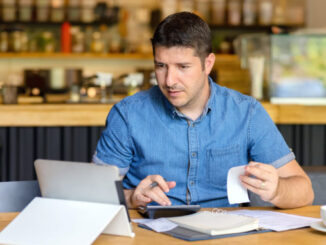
x=79 y=181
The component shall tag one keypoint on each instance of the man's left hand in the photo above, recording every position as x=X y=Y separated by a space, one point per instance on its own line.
x=261 y=179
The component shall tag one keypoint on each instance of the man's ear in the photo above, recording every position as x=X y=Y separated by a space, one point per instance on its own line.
x=209 y=63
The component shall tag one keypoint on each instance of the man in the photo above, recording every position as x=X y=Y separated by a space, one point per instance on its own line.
x=176 y=142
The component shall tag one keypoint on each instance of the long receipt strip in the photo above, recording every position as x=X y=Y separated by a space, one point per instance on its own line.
x=237 y=193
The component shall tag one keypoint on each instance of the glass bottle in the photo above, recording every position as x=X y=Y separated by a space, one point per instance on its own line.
x=8 y=10
x=4 y=44
x=25 y=10
x=265 y=12
x=57 y=10
x=234 y=12
x=42 y=10
x=202 y=8
x=249 y=12
x=87 y=10
x=97 y=42
x=218 y=12
x=74 y=10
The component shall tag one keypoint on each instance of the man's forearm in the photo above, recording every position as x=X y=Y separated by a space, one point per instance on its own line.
x=293 y=192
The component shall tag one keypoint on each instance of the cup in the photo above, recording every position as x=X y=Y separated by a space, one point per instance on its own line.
x=323 y=214
x=9 y=94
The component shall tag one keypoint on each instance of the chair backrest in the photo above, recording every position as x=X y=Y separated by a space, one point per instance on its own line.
x=317 y=175
x=15 y=195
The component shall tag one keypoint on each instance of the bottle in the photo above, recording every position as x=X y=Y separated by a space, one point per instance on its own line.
x=97 y=42
x=234 y=12
x=25 y=10
x=249 y=12
x=8 y=10
x=4 y=44
x=265 y=12
x=42 y=10
x=87 y=10
x=57 y=10
x=65 y=38
x=73 y=10
x=218 y=12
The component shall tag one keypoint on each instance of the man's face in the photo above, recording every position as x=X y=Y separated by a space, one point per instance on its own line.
x=181 y=77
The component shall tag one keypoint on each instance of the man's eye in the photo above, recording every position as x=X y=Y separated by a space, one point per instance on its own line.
x=159 y=65
x=184 y=67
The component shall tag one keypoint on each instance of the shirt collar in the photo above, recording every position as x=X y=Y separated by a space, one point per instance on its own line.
x=174 y=112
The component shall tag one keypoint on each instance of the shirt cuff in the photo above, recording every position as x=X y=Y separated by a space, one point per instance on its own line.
x=122 y=171
x=283 y=160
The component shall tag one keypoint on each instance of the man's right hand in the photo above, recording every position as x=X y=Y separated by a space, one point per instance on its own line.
x=146 y=193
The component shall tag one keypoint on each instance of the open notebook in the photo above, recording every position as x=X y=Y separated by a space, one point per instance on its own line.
x=216 y=223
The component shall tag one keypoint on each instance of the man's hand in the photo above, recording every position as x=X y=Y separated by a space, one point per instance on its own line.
x=265 y=181
x=150 y=189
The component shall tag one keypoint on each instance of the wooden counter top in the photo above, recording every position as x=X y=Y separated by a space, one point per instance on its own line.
x=95 y=114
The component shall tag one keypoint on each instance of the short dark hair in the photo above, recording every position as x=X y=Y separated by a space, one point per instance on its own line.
x=184 y=29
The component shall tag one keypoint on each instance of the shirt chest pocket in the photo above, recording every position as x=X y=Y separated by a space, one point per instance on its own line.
x=219 y=162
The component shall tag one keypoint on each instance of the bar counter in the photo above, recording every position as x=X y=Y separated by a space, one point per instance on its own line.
x=34 y=115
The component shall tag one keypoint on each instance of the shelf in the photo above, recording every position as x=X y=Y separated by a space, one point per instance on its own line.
x=254 y=27
x=75 y=56
x=219 y=57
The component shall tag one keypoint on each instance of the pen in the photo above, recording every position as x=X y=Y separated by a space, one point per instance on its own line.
x=154 y=183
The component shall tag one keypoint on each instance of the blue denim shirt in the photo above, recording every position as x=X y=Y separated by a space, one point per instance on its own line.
x=146 y=135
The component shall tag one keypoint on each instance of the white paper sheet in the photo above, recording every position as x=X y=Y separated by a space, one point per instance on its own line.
x=158 y=225
x=55 y=221
x=278 y=221
x=237 y=193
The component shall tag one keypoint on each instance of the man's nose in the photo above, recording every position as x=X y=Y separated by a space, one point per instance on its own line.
x=170 y=77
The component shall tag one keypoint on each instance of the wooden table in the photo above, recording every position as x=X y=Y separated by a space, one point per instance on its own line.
x=301 y=236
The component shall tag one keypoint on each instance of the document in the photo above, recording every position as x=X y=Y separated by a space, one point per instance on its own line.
x=277 y=221
x=158 y=225
x=237 y=193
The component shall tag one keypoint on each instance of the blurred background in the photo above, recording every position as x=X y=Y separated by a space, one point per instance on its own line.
x=64 y=63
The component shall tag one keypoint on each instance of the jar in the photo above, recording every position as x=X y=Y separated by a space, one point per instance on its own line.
x=97 y=42
x=249 y=12
x=25 y=10
x=42 y=10
x=187 y=5
x=49 y=42
x=4 y=42
x=234 y=12
x=218 y=12
x=77 y=41
x=265 y=12
x=202 y=8
x=57 y=11
x=8 y=10
x=16 y=41
x=168 y=7
x=87 y=11
x=73 y=11
x=295 y=14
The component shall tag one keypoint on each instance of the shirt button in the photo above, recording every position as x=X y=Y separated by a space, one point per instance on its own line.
x=192 y=183
x=193 y=154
